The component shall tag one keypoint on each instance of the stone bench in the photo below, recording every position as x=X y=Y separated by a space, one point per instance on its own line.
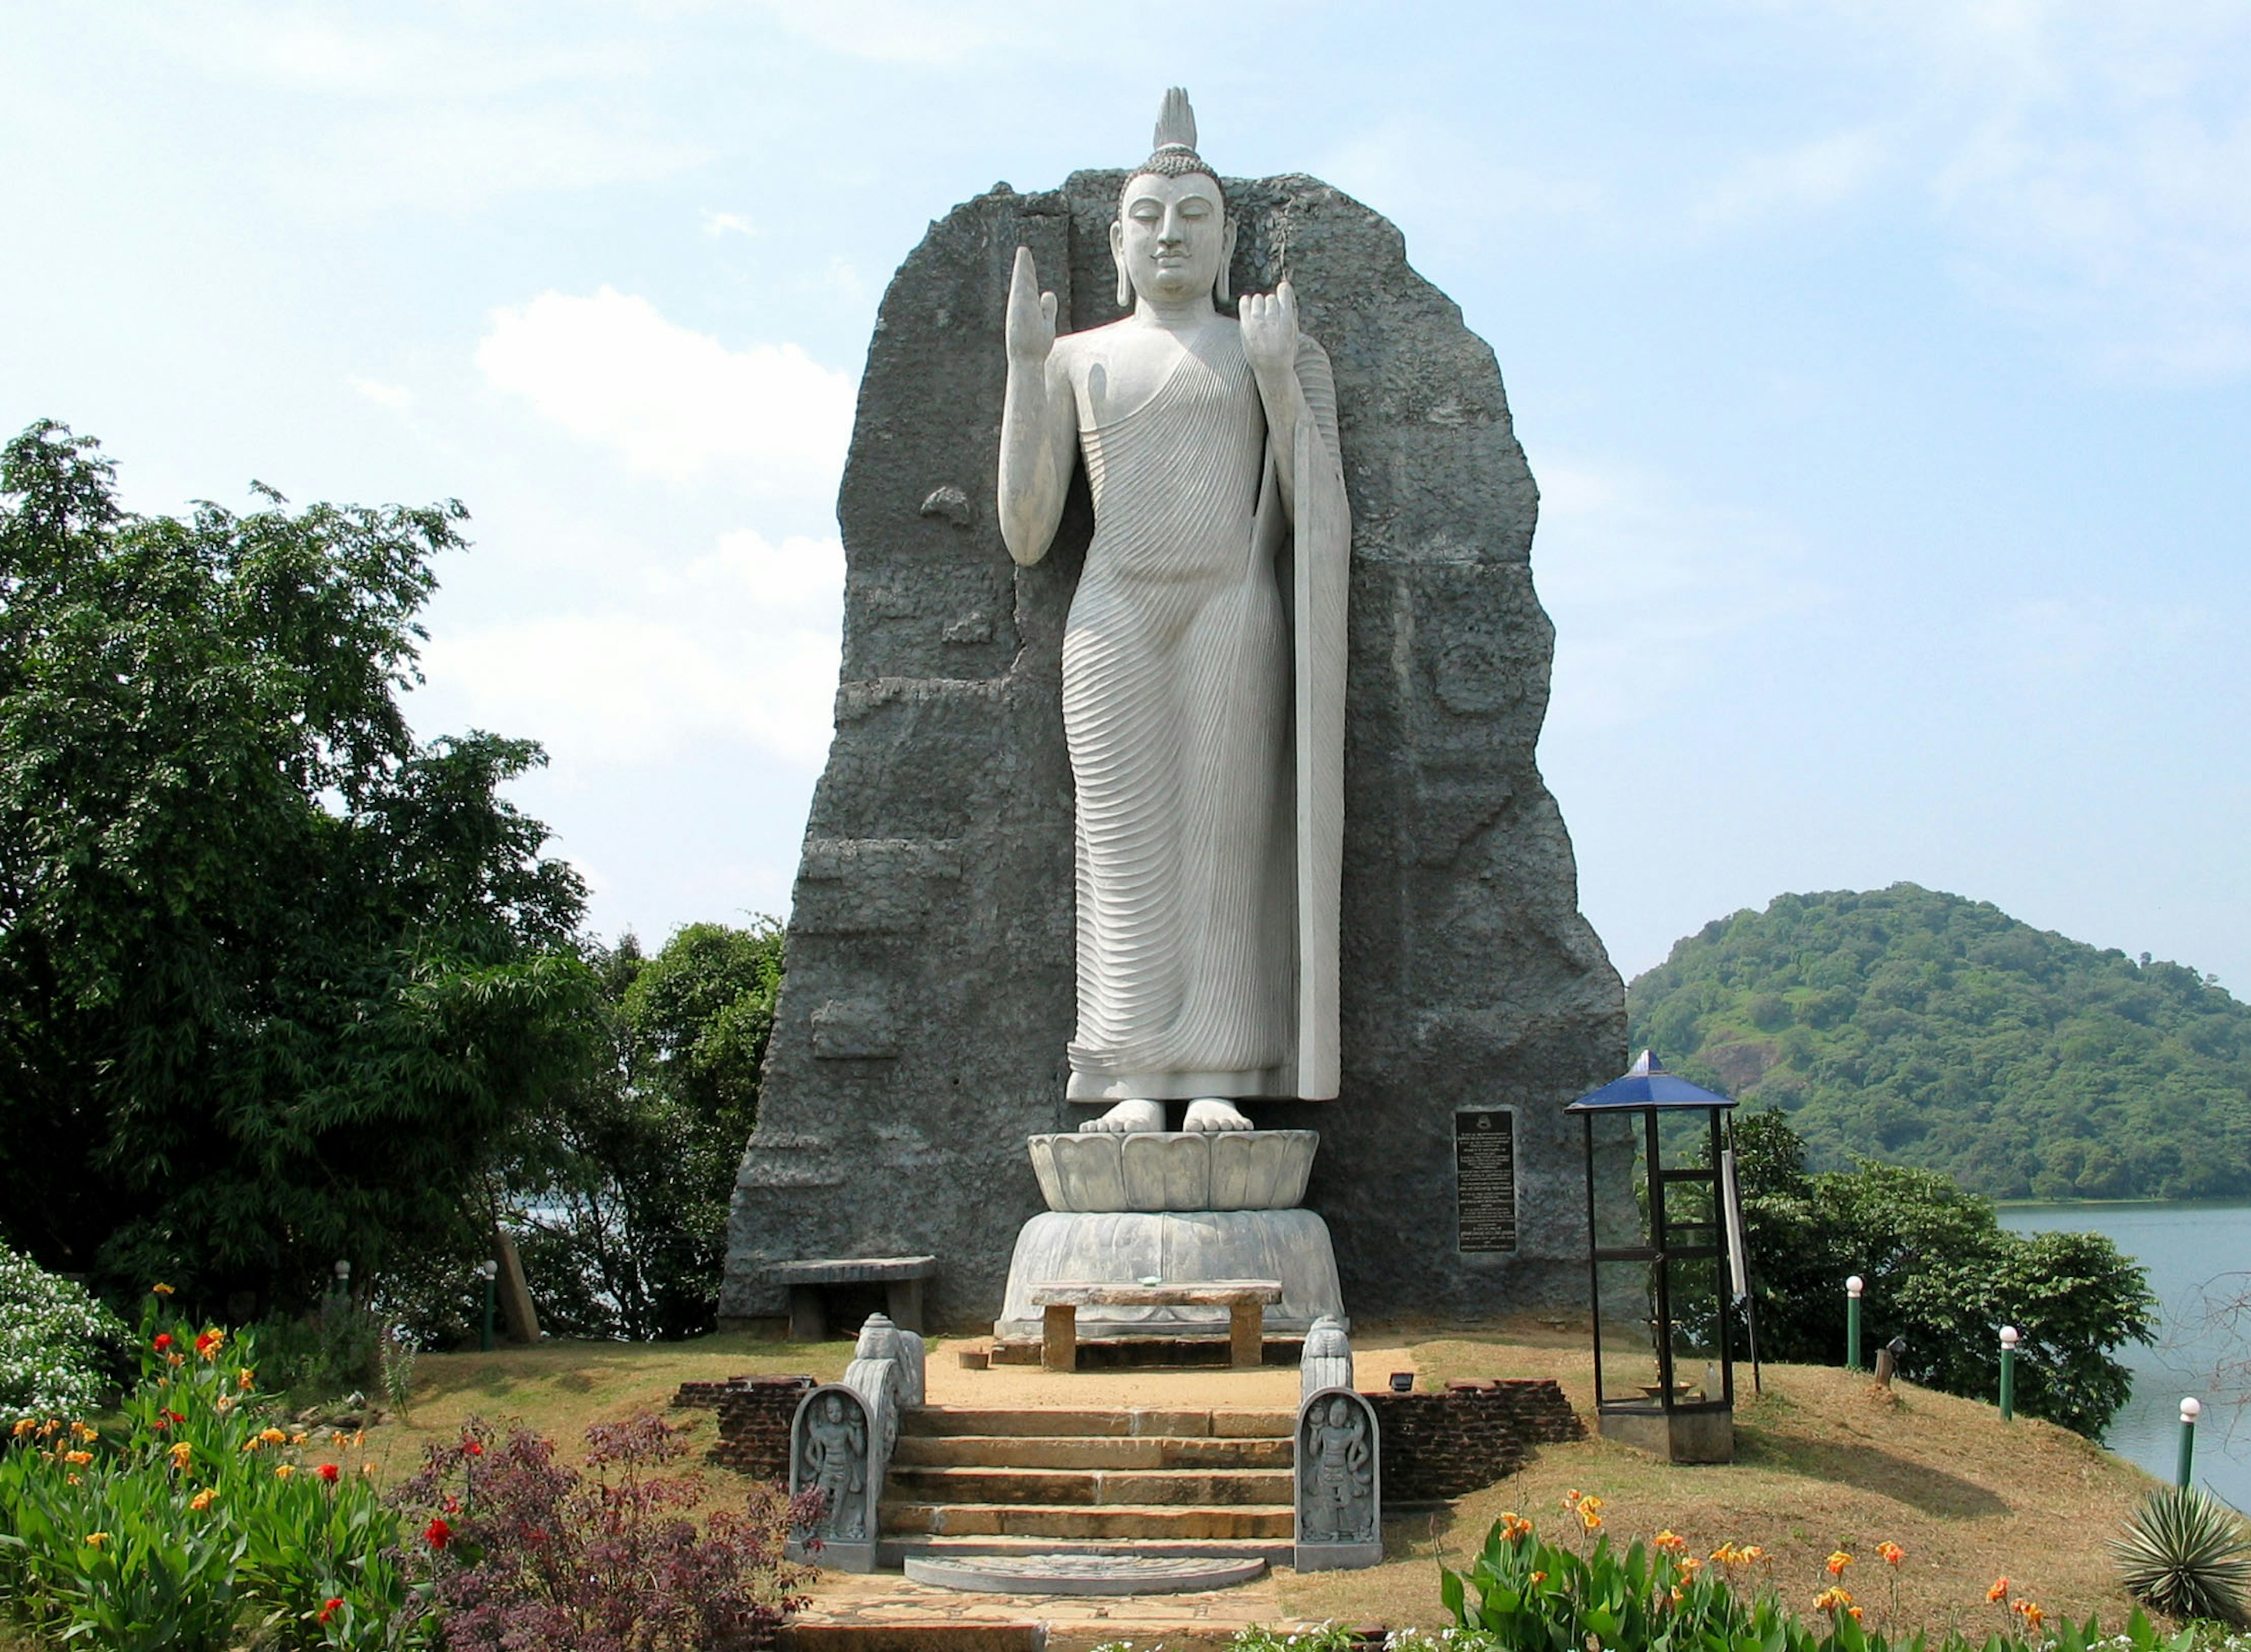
x=1245 y=1300
x=900 y=1277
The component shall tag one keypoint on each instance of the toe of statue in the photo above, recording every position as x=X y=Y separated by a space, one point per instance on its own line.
x=1212 y=1114
x=1127 y=1118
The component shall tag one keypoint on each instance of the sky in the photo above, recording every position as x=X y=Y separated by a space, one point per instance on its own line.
x=1886 y=370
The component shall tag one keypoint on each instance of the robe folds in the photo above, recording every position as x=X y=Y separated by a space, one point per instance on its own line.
x=1203 y=699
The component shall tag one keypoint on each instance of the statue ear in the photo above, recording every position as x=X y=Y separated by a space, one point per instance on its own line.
x=1117 y=257
x=1226 y=260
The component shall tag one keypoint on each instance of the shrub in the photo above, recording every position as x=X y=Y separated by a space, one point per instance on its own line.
x=333 y=1351
x=195 y=1512
x=1524 y=1591
x=527 y=1551
x=55 y=1342
x=2187 y=1555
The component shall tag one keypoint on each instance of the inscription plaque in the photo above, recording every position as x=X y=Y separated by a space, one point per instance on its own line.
x=1485 y=1178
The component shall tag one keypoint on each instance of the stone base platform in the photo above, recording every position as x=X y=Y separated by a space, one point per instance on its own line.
x=1178 y=1247
x=883 y=1611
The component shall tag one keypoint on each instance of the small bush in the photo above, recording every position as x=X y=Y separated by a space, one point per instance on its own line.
x=527 y=1551
x=335 y=1350
x=56 y=1343
x=2187 y=1555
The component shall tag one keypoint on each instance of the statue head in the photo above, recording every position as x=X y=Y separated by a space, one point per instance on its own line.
x=1173 y=238
x=1340 y=1412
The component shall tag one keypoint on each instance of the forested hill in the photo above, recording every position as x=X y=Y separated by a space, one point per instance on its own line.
x=1927 y=1029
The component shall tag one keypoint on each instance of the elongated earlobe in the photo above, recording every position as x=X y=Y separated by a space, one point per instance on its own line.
x=1219 y=289
x=1125 y=287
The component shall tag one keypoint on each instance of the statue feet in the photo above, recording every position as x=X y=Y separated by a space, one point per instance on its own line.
x=1128 y=1118
x=1211 y=1113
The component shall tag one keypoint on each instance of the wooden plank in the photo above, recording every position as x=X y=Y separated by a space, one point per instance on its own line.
x=1059 y=1340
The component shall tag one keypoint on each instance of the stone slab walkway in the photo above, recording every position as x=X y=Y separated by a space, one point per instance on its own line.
x=882 y=1612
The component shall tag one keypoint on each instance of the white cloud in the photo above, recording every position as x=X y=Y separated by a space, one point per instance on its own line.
x=740 y=647
x=397 y=397
x=611 y=370
x=719 y=224
x=1649 y=590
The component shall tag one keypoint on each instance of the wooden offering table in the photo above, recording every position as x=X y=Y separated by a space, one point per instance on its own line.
x=1245 y=1300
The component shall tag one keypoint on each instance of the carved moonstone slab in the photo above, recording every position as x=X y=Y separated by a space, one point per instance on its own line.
x=1175 y=1170
x=1339 y=1482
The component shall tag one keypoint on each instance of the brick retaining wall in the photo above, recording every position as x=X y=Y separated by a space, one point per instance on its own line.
x=754 y=1418
x=1437 y=1446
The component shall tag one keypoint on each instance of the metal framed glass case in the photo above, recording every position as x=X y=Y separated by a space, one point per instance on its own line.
x=1658 y=1223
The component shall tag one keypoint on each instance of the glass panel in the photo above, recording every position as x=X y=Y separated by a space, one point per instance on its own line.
x=1621 y=1177
x=1627 y=1295
x=1690 y=1211
x=1693 y=1295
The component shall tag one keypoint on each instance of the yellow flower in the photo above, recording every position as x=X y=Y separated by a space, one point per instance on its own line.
x=297 y=1439
x=2033 y=1615
x=181 y=1452
x=245 y=1378
x=201 y=1500
x=1539 y=1577
x=1892 y=1553
x=283 y=1471
x=1836 y=1563
x=224 y=1403
x=1671 y=1541
x=161 y=1289
x=1689 y=1566
x=95 y=1540
x=367 y=1469
x=79 y=1430
x=1679 y=1594
x=81 y=1458
x=272 y=1436
x=1751 y=1554
x=1999 y=1592
x=24 y=1424
x=1589 y=1519
x=1832 y=1598
x=1592 y=1502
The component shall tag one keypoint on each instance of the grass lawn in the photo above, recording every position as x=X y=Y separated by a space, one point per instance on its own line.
x=1825 y=1460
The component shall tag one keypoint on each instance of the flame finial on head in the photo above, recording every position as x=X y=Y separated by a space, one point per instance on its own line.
x=1175 y=121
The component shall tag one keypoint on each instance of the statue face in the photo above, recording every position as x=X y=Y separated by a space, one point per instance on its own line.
x=1172 y=236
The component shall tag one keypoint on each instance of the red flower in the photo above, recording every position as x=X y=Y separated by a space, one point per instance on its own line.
x=176 y=1416
x=328 y=1472
x=437 y=1534
x=331 y=1606
x=164 y=1341
x=474 y=1448
x=208 y=1344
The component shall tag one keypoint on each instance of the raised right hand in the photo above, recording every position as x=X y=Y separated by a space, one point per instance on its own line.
x=1031 y=314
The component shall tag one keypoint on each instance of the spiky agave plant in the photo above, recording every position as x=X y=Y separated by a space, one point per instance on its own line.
x=2186 y=1554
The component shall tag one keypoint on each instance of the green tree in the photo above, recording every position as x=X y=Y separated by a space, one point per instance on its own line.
x=1925 y=1029
x=273 y=975
x=1941 y=1272
x=621 y=1183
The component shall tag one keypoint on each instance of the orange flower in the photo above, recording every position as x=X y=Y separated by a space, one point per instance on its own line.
x=1837 y=1562
x=2031 y=1615
x=283 y=1471
x=1834 y=1599
x=1689 y=1566
x=1751 y=1554
x=1999 y=1592
x=272 y=1436
x=1539 y=1577
x=1571 y=1499
x=1892 y=1553
x=1855 y=1611
x=181 y=1452
x=209 y=1343
x=1589 y=1519
x=95 y=1540
x=1671 y=1541
x=1679 y=1594
x=24 y=1424
x=162 y=1290
x=201 y=1500
x=80 y=1458
x=1514 y=1526
x=245 y=1378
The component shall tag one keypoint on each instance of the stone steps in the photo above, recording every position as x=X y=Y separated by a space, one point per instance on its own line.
x=1077 y=1487
x=1089 y=1451
x=895 y=1548
x=1115 y=1521
x=956 y=1421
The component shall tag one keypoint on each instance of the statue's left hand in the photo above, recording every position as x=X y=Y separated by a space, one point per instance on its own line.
x=1270 y=329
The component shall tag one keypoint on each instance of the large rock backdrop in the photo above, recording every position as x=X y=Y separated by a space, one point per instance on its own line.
x=929 y=993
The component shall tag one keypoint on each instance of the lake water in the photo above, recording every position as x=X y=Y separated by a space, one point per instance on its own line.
x=2190 y=1248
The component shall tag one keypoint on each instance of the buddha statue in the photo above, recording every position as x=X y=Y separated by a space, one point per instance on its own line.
x=1203 y=702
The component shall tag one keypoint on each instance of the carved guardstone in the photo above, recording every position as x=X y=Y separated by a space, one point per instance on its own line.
x=832 y=1449
x=930 y=994
x=1339 y=1483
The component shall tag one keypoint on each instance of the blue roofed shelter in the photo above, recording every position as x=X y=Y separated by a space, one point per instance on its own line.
x=1665 y=1262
